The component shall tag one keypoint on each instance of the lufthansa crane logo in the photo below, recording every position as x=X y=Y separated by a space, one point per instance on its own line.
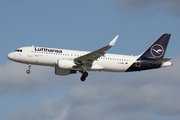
x=157 y=50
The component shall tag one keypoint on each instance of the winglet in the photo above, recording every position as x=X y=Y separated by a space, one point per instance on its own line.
x=113 y=41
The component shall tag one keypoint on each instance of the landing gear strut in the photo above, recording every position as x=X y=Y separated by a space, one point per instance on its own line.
x=84 y=75
x=28 y=71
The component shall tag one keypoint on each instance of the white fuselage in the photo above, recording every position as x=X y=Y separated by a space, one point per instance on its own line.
x=49 y=56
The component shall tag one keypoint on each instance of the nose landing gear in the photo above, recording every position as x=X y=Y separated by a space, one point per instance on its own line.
x=28 y=71
x=84 y=75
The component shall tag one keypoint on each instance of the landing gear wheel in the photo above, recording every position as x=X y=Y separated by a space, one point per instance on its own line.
x=83 y=78
x=28 y=71
x=84 y=75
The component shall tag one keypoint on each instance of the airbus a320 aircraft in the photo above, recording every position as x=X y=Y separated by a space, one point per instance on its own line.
x=70 y=61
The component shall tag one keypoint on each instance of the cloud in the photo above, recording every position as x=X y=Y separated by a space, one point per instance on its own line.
x=147 y=6
x=143 y=95
x=15 y=80
x=47 y=110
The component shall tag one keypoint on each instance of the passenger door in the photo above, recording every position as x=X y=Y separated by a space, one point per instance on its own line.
x=30 y=51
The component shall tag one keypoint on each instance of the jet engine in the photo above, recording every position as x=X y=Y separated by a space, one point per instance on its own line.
x=65 y=63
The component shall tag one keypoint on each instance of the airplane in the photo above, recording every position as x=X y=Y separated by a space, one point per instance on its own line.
x=70 y=61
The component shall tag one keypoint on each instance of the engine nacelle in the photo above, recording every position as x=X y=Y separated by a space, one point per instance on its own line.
x=59 y=71
x=65 y=64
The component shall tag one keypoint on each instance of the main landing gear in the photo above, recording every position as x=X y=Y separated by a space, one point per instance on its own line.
x=84 y=75
x=28 y=71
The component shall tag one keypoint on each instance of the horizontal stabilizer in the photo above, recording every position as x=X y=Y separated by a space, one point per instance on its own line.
x=161 y=61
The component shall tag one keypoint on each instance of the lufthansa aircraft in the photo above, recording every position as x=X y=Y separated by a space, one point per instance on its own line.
x=70 y=61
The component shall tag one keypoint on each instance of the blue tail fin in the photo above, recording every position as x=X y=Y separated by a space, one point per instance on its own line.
x=157 y=50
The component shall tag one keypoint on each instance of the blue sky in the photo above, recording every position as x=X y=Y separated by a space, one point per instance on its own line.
x=88 y=25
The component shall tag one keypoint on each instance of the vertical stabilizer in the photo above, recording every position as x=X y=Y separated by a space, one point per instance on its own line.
x=157 y=50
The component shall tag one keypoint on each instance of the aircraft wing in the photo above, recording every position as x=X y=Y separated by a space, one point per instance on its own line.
x=92 y=56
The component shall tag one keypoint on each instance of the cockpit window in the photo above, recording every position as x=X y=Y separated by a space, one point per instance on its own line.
x=18 y=50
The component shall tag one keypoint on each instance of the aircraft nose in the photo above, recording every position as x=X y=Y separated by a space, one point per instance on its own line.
x=10 y=56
